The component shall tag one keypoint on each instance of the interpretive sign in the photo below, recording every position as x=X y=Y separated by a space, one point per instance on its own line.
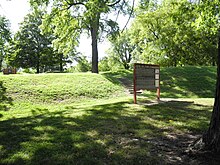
x=146 y=77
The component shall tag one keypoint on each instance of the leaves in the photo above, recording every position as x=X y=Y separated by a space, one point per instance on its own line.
x=30 y=48
x=122 y=49
x=68 y=19
x=166 y=33
x=5 y=36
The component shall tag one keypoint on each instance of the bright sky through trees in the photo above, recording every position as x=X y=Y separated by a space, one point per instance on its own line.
x=14 y=11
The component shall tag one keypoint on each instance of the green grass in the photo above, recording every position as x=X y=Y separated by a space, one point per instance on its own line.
x=56 y=88
x=188 y=82
x=179 y=82
x=88 y=119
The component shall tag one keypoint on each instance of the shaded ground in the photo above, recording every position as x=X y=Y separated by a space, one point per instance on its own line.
x=5 y=101
x=174 y=149
x=175 y=146
x=114 y=133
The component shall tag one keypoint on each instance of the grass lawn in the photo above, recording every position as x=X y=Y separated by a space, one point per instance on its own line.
x=68 y=119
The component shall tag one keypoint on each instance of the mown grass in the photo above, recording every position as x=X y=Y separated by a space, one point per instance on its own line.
x=56 y=88
x=179 y=82
x=188 y=82
x=46 y=120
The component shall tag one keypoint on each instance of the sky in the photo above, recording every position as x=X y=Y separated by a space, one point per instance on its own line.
x=15 y=10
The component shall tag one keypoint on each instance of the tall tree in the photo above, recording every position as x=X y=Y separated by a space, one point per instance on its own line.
x=30 y=48
x=80 y=15
x=5 y=36
x=208 y=22
x=122 y=48
x=163 y=34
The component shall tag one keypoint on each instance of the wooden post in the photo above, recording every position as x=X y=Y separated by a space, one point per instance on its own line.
x=158 y=89
x=134 y=85
x=158 y=93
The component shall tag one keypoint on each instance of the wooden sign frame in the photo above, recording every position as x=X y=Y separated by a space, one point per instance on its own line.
x=146 y=77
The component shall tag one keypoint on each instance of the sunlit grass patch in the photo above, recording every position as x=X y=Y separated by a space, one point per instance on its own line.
x=60 y=88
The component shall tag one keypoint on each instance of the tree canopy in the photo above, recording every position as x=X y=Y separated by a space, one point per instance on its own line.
x=30 y=48
x=122 y=49
x=69 y=18
x=5 y=36
x=165 y=33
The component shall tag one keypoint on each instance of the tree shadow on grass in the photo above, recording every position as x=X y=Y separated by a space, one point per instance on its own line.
x=5 y=101
x=124 y=77
x=179 y=82
x=115 y=133
x=188 y=81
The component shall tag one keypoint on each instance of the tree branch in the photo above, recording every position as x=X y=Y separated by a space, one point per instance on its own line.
x=73 y=4
x=120 y=10
x=132 y=10
x=113 y=4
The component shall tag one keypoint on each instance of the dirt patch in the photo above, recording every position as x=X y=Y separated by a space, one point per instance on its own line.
x=173 y=149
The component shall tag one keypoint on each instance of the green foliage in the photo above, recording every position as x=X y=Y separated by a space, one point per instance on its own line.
x=207 y=20
x=104 y=65
x=32 y=49
x=29 y=70
x=110 y=63
x=64 y=27
x=83 y=65
x=121 y=49
x=68 y=19
x=5 y=36
x=29 y=47
x=165 y=34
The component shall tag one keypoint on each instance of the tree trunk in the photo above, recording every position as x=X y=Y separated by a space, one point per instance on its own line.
x=1 y=59
x=38 y=68
x=38 y=63
x=61 y=62
x=126 y=65
x=211 y=138
x=94 y=34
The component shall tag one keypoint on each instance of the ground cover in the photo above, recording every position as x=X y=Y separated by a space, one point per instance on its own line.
x=97 y=128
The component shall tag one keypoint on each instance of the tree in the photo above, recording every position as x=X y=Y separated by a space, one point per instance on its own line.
x=30 y=48
x=70 y=17
x=163 y=34
x=5 y=36
x=83 y=64
x=122 y=48
x=208 y=22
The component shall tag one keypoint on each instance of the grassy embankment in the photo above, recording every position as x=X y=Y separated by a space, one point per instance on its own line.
x=89 y=119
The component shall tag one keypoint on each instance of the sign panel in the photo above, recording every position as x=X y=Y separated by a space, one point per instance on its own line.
x=146 y=77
